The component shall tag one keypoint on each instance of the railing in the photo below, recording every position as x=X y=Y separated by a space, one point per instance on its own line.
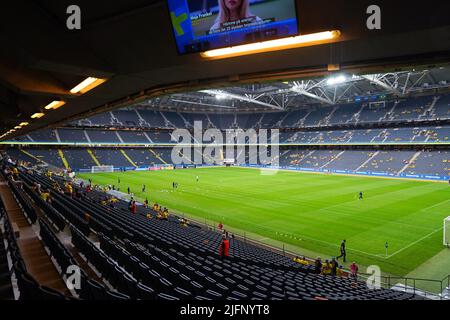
x=427 y=288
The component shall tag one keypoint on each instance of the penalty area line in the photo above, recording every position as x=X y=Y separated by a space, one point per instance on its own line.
x=413 y=243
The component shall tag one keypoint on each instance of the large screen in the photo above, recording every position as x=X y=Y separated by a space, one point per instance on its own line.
x=201 y=25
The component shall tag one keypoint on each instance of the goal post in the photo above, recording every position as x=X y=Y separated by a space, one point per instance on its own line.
x=447 y=232
x=228 y=162
x=97 y=169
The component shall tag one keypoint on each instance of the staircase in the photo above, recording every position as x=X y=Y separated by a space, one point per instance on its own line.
x=6 y=289
x=142 y=122
x=57 y=135
x=38 y=263
x=389 y=114
x=355 y=118
x=128 y=158
x=114 y=119
x=32 y=156
x=367 y=161
x=63 y=159
x=167 y=123
x=187 y=124
x=157 y=156
x=429 y=113
x=118 y=136
x=326 y=121
x=333 y=159
x=301 y=122
x=148 y=138
x=87 y=136
x=97 y=163
x=381 y=134
x=410 y=162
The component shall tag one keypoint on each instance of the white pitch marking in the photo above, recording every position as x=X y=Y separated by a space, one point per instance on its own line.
x=413 y=243
x=435 y=205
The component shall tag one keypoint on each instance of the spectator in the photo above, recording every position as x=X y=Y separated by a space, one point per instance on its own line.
x=318 y=265
x=183 y=222
x=224 y=248
x=326 y=268
x=133 y=207
x=301 y=261
x=340 y=272
x=334 y=267
x=78 y=194
x=354 y=270
x=165 y=214
x=220 y=226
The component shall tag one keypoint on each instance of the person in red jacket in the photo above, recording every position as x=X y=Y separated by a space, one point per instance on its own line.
x=224 y=248
x=133 y=207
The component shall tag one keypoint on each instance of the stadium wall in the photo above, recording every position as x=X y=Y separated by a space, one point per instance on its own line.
x=349 y=172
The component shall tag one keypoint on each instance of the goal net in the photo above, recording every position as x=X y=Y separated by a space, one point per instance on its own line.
x=96 y=169
x=447 y=232
x=228 y=162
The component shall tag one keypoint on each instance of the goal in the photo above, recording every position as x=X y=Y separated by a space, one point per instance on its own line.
x=447 y=232
x=96 y=169
x=228 y=162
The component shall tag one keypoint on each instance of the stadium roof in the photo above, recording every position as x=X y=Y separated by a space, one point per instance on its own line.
x=130 y=43
x=285 y=95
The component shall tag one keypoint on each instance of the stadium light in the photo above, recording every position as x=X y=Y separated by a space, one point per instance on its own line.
x=17 y=127
x=23 y=124
x=37 y=115
x=54 y=105
x=87 y=85
x=273 y=45
x=336 y=80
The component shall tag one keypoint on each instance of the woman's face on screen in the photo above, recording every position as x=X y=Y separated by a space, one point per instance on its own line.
x=233 y=4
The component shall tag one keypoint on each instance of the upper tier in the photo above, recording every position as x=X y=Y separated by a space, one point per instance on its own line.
x=412 y=109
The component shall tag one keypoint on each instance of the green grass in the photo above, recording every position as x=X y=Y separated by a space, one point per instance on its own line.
x=310 y=213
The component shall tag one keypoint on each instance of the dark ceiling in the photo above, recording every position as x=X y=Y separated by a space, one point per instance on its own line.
x=130 y=42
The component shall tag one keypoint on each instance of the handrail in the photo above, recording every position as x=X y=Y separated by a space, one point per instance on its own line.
x=387 y=280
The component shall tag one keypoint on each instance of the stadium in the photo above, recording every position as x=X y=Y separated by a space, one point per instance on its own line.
x=149 y=172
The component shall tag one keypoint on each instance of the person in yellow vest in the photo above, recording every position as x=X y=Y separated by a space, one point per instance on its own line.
x=301 y=260
x=45 y=195
x=326 y=268
x=183 y=222
x=165 y=214
x=15 y=172
x=69 y=189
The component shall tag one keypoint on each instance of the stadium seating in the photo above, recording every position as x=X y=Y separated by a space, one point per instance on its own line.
x=145 y=258
x=6 y=290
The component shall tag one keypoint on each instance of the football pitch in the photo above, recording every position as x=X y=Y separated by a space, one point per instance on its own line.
x=309 y=213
